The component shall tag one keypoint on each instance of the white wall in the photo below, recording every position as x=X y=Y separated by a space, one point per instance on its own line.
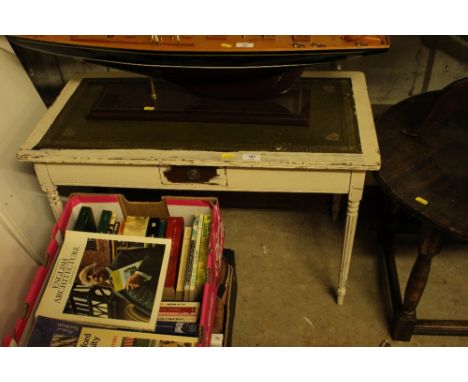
x=25 y=216
x=16 y=274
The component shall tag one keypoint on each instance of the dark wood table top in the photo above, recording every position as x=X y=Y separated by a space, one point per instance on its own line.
x=424 y=151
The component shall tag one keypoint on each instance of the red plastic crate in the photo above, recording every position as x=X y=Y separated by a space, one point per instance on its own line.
x=169 y=206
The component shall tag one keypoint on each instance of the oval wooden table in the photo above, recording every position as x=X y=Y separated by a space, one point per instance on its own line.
x=424 y=150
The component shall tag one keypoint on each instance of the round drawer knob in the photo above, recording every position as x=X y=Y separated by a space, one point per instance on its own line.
x=193 y=174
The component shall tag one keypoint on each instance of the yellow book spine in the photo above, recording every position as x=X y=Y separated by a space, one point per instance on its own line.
x=183 y=263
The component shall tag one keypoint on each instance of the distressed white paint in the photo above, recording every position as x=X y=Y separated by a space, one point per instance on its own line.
x=17 y=272
x=336 y=173
x=368 y=160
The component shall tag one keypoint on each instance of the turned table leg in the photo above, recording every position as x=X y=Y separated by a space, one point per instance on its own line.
x=405 y=320
x=50 y=189
x=350 y=230
x=354 y=198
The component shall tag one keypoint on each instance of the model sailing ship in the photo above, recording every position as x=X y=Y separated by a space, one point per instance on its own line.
x=253 y=66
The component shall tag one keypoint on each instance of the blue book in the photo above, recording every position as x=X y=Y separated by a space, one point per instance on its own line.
x=177 y=328
x=48 y=332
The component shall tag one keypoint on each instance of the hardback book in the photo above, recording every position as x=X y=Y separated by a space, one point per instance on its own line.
x=136 y=225
x=104 y=221
x=174 y=231
x=49 y=332
x=183 y=263
x=202 y=258
x=85 y=221
x=179 y=311
x=81 y=290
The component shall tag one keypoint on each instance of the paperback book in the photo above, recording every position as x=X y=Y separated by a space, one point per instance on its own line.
x=98 y=337
x=81 y=287
x=191 y=270
x=183 y=263
x=48 y=332
x=202 y=258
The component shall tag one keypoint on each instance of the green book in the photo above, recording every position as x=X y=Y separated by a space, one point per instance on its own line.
x=202 y=257
x=162 y=228
x=85 y=221
x=104 y=221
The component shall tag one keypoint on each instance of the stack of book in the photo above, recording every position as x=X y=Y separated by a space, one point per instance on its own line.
x=134 y=282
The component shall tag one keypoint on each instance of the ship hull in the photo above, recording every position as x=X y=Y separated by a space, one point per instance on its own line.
x=249 y=74
x=149 y=61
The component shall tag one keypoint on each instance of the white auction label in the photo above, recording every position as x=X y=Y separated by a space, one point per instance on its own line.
x=251 y=157
x=244 y=44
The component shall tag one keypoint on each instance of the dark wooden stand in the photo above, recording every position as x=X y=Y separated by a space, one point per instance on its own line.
x=405 y=322
x=423 y=144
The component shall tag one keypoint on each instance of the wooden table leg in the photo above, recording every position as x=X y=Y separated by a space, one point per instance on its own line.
x=350 y=230
x=405 y=318
x=354 y=198
x=50 y=189
x=387 y=235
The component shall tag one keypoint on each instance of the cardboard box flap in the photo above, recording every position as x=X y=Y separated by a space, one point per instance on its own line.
x=151 y=209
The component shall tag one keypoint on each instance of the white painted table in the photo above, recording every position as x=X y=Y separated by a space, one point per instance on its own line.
x=237 y=169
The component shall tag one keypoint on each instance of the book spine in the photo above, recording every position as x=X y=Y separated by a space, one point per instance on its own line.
x=162 y=228
x=196 y=255
x=103 y=226
x=136 y=225
x=174 y=231
x=178 y=318
x=202 y=260
x=179 y=304
x=178 y=309
x=85 y=221
x=188 y=271
x=115 y=227
x=183 y=263
x=177 y=328
x=153 y=227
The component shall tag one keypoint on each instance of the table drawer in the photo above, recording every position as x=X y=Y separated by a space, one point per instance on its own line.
x=201 y=177
x=320 y=181
x=105 y=175
x=193 y=176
